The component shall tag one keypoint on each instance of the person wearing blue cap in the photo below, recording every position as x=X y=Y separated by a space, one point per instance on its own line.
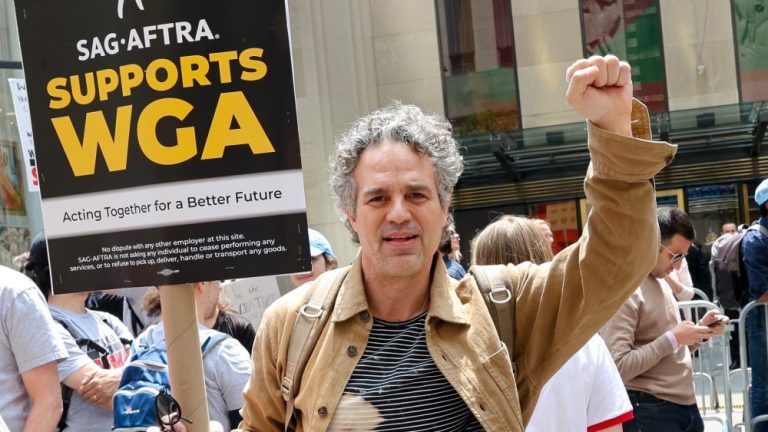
x=322 y=259
x=754 y=250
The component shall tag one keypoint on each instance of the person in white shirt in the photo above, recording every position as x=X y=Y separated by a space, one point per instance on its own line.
x=586 y=394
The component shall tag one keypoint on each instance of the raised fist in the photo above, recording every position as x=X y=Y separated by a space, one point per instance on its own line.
x=600 y=88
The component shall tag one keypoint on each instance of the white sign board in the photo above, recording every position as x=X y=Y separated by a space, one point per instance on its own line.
x=251 y=296
x=24 y=123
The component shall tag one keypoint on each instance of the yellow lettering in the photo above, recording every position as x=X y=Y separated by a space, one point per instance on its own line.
x=77 y=93
x=186 y=145
x=172 y=75
x=57 y=90
x=194 y=68
x=249 y=60
x=223 y=58
x=107 y=82
x=131 y=75
x=234 y=106
x=96 y=135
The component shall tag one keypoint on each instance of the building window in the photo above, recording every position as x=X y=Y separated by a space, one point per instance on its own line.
x=710 y=207
x=631 y=30
x=478 y=61
x=15 y=200
x=750 y=26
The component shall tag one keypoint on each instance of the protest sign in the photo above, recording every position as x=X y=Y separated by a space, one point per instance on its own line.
x=250 y=297
x=166 y=140
x=24 y=123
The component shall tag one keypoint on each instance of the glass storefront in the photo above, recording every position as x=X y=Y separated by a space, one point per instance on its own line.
x=710 y=207
x=631 y=30
x=750 y=18
x=20 y=217
x=478 y=61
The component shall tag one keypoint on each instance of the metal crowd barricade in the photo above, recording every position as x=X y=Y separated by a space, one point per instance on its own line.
x=712 y=361
x=701 y=294
x=749 y=422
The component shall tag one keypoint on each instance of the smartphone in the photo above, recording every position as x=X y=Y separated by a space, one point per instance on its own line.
x=716 y=323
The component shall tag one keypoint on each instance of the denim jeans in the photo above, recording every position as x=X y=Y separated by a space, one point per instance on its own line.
x=657 y=415
x=756 y=340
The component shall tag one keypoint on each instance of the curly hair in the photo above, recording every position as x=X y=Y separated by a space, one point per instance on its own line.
x=430 y=135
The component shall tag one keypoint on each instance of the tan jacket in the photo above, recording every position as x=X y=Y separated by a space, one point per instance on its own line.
x=559 y=306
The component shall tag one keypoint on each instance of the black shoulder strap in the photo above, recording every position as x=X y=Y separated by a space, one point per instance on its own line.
x=66 y=392
x=124 y=341
x=500 y=301
x=84 y=342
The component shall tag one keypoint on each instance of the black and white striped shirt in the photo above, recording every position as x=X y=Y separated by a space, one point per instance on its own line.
x=396 y=386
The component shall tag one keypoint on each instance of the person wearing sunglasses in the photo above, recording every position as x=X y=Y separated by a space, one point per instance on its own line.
x=652 y=347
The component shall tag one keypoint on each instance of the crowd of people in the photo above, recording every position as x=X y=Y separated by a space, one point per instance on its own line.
x=409 y=343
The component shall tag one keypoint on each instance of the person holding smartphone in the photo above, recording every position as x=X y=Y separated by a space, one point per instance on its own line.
x=652 y=346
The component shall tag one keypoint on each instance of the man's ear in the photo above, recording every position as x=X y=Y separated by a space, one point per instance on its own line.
x=351 y=218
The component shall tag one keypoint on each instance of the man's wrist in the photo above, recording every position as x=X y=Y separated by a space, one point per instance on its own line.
x=623 y=127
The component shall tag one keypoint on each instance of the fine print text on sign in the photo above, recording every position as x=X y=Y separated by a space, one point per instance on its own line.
x=166 y=140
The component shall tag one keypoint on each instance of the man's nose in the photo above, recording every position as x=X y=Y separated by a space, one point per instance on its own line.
x=399 y=211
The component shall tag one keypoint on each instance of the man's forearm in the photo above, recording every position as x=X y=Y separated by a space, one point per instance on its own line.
x=636 y=362
x=44 y=415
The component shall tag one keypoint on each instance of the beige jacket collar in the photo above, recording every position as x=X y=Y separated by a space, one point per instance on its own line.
x=443 y=305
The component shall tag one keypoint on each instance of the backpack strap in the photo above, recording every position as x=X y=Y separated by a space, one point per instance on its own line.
x=213 y=340
x=85 y=342
x=500 y=300
x=306 y=331
x=66 y=392
x=148 y=340
x=758 y=227
x=145 y=339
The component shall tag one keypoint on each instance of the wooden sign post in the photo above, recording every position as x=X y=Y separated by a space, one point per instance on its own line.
x=185 y=360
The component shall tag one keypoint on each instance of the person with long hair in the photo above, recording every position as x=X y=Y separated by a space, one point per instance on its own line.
x=450 y=251
x=587 y=393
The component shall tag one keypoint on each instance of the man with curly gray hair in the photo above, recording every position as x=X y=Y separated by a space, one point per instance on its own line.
x=428 y=135
x=405 y=347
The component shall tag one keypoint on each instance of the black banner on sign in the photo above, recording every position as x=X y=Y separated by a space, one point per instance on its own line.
x=167 y=256
x=165 y=118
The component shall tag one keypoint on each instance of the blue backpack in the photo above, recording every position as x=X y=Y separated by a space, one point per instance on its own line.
x=144 y=377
